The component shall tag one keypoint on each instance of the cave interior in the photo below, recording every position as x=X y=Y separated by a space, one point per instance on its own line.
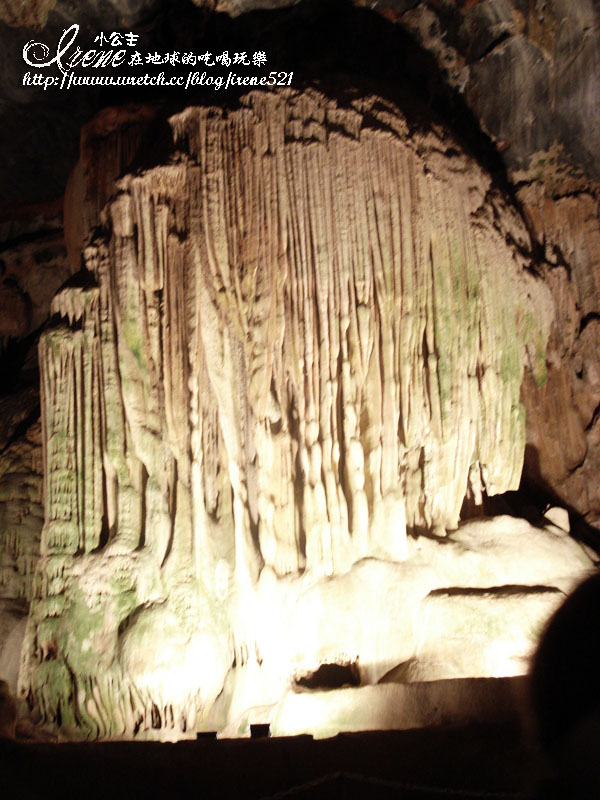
x=300 y=397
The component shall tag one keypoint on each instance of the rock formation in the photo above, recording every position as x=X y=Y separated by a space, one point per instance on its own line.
x=8 y=712
x=21 y=514
x=302 y=334
x=103 y=158
x=33 y=265
x=563 y=431
x=544 y=120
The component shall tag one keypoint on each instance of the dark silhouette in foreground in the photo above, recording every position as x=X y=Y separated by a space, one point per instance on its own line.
x=565 y=694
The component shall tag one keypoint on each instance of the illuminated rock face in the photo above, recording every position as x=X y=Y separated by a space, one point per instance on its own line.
x=303 y=334
x=21 y=512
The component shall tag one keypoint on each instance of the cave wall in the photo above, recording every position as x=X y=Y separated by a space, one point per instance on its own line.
x=529 y=72
x=563 y=431
x=33 y=264
x=460 y=431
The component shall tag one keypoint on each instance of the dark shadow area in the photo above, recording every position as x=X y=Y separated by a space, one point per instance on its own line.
x=530 y=501
x=564 y=675
x=83 y=279
x=541 y=495
x=497 y=591
x=445 y=762
x=417 y=532
x=343 y=50
x=18 y=363
x=330 y=676
x=519 y=503
x=260 y=731
x=23 y=426
x=565 y=694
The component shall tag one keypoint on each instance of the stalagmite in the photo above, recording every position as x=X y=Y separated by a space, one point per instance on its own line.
x=301 y=336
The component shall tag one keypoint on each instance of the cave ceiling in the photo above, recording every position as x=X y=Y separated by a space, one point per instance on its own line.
x=528 y=71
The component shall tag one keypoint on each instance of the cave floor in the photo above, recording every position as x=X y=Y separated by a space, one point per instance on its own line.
x=465 y=762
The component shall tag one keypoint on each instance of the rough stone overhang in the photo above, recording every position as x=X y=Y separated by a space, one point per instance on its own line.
x=528 y=72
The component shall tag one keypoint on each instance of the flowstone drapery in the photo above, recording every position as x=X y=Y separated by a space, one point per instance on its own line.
x=302 y=334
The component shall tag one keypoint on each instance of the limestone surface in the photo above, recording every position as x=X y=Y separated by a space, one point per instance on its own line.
x=563 y=434
x=8 y=712
x=21 y=513
x=13 y=619
x=300 y=337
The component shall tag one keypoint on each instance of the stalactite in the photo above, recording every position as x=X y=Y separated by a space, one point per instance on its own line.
x=21 y=514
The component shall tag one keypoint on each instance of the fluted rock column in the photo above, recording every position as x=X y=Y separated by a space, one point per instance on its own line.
x=305 y=332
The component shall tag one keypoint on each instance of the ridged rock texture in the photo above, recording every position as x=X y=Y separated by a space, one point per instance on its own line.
x=21 y=514
x=33 y=265
x=303 y=333
x=103 y=158
x=563 y=415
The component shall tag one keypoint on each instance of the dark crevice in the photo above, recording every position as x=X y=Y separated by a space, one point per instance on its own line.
x=329 y=676
x=399 y=673
x=57 y=321
x=510 y=590
x=104 y=529
x=438 y=357
x=299 y=478
x=560 y=260
x=172 y=512
x=144 y=483
x=22 y=428
x=426 y=363
x=39 y=235
x=339 y=410
x=522 y=184
x=585 y=321
x=532 y=251
x=494 y=45
x=540 y=495
x=82 y=279
x=558 y=195
x=18 y=357
x=589 y=427
x=421 y=531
